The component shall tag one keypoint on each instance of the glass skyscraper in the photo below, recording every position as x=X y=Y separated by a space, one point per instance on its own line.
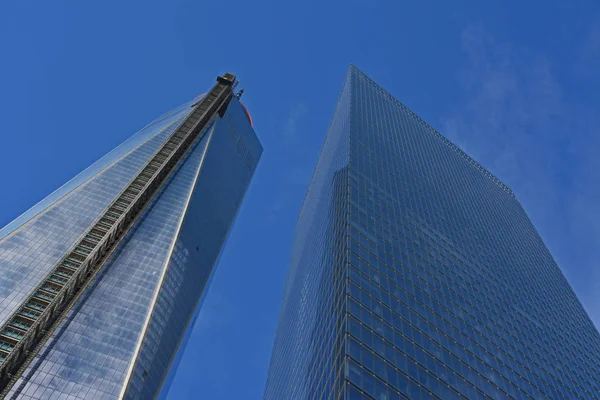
x=416 y=274
x=99 y=281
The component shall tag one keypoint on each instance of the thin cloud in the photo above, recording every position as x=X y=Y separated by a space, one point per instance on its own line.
x=293 y=171
x=291 y=126
x=518 y=121
x=588 y=52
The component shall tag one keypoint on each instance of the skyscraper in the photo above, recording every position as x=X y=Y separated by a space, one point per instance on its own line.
x=415 y=273
x=99 y=281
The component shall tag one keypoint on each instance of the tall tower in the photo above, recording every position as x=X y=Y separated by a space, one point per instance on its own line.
x=416 y=274
x=99 y=281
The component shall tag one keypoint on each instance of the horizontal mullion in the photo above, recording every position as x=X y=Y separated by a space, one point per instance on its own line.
x=18 y=326
x=69 y=266
x=74 y=259
x=57 y=280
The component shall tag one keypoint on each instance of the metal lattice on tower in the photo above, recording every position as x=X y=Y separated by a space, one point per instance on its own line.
x=27 y=329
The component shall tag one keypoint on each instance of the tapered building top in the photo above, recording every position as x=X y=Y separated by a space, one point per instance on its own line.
x=99 y=282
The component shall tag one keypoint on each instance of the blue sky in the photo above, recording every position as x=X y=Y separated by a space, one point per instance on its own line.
x=516 y=85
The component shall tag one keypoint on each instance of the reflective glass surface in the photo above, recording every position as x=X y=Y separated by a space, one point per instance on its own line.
x=164 y=121
x=306 y=349
x=90 y=353
x=121 y=336
x=29 y=252
x=449 y=291
x=227 y=167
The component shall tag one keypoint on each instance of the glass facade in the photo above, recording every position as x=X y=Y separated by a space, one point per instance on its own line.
x=416 y=274
x=120 y=337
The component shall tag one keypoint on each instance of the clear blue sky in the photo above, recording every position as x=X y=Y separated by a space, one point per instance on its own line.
x=514 y=83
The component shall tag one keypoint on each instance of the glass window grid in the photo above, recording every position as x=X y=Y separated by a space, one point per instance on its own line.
x=554 y=272
x=494 y=302
x=303 y=351
x=414 y=193
x=438 y=283
x=415 y=334
x=31 y=251
x=90 y=353
x=450 y=257
x=231 y=157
